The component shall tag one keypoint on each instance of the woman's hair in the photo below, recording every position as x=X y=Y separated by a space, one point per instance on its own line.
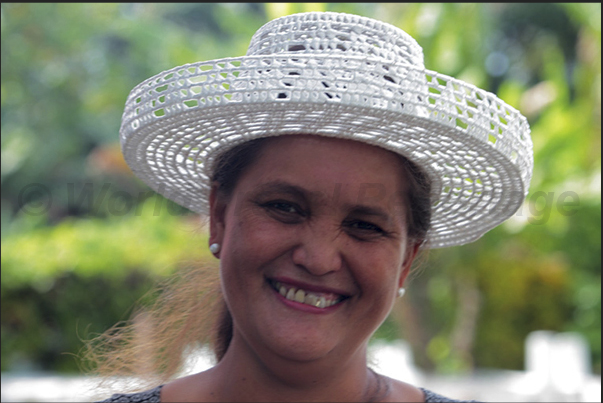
x=149 y=349
x=189 y=310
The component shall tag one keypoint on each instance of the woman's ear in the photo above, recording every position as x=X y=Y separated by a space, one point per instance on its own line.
x=411 y=254
x=217 y=213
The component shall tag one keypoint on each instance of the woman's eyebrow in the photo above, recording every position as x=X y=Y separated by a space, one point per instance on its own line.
x=283 y=187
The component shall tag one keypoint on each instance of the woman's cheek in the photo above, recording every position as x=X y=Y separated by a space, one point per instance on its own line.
x=377 y=271
x=254 y=239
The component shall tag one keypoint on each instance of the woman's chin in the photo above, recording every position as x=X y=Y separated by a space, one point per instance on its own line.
x=302 y=351
x=300 y=347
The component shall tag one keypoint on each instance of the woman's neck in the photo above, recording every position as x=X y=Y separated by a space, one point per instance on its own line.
x=245 y=375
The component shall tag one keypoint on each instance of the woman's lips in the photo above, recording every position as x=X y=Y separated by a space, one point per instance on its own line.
x=312 y=296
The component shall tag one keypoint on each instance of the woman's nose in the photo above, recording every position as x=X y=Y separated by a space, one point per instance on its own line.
x=319 y=250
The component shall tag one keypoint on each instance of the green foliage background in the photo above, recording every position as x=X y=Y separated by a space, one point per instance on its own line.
x=82 y=239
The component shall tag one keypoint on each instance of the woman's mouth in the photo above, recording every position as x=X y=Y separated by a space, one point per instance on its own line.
x=315 y=299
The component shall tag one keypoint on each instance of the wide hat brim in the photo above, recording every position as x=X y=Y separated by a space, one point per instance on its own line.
x=475 y=148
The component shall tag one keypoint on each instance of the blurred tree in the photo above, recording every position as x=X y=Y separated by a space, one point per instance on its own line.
x=480 y=300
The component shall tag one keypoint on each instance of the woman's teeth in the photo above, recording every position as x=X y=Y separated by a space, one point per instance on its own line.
x=306 y=297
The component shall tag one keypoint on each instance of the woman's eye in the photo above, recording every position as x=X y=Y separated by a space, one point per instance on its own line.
x=283 y=208
x=365 y=228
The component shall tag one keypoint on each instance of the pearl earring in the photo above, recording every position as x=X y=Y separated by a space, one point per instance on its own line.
x=214 y=248
x=401 y=292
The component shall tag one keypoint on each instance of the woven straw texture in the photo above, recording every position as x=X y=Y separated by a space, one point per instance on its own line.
x=343 y=76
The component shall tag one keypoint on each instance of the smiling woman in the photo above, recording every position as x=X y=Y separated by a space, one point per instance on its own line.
x=326 y=159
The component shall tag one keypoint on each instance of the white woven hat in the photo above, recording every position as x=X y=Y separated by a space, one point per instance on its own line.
x=343 y=76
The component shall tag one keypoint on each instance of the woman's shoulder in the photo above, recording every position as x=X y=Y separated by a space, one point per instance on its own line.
x=148 y=396
x=404 y=392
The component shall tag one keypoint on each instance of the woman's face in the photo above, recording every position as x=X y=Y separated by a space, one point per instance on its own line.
x=313 y=245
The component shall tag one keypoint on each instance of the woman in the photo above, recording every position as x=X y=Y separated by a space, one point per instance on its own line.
x=326 y=159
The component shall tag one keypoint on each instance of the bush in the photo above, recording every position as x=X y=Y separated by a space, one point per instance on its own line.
x=64 y=283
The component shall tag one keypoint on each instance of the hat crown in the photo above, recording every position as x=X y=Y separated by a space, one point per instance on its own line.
x=336 y=33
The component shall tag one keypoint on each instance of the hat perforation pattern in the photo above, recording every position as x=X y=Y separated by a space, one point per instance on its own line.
x=334 y=81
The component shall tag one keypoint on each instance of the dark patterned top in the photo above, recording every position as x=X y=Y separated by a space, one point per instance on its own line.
x=148 y=396
x=153 y=396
